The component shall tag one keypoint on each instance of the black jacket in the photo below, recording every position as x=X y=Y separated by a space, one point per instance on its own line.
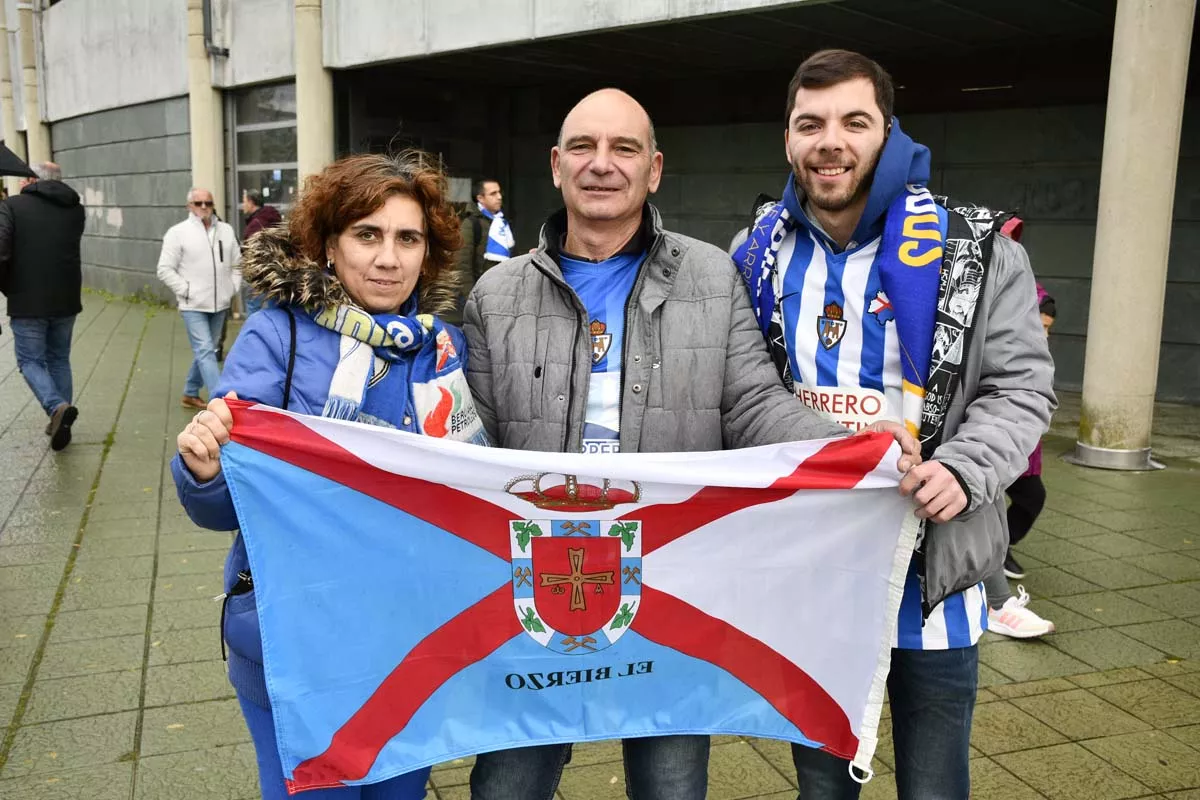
x=40 y=231
x=471 y=263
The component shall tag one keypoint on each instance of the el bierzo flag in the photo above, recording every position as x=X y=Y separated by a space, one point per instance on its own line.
x=423 y=600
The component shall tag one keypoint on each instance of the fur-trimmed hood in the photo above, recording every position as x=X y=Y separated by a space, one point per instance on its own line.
x=274 y=268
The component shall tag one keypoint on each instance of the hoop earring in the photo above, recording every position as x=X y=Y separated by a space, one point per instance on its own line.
x=329 y=265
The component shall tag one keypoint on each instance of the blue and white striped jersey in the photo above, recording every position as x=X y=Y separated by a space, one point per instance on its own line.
x=604 y=288
x=845 y=362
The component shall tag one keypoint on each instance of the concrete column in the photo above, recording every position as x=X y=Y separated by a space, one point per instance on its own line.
x=314 y=92
x=13 y=138
x=37 y=133
x=1151 y=43
x=204 y=112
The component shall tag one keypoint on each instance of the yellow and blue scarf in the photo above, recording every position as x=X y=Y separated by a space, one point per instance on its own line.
x=399 y=367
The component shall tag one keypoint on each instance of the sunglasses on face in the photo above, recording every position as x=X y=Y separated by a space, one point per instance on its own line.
x=202 y=203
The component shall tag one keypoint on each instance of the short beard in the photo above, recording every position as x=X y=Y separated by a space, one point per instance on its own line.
x=839 y=203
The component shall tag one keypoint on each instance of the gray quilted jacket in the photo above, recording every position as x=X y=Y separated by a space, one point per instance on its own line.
x=695 y=372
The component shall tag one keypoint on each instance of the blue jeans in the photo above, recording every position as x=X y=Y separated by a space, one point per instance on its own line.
x=932 y=696
x=204 y=332
x=656 y=768
x=409 y=786
x=43 y=347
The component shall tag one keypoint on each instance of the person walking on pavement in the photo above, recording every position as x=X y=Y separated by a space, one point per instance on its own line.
x=199 y=263
x=259 y=217
x=40 y=274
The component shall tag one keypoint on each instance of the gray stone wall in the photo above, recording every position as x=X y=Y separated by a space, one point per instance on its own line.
x=1044 y=163
x=359 y=32
x=132 y=167
x=101 y=54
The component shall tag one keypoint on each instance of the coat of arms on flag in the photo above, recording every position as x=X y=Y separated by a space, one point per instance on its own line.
x=422 y=600
x=576 y=583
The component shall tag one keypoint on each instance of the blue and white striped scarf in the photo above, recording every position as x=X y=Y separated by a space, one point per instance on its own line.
x=921 y=240
x=911 y=286
x=369 y=347
x=401 y=366
x=500 y=238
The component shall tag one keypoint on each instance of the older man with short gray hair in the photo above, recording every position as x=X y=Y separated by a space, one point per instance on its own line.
x=200 y=264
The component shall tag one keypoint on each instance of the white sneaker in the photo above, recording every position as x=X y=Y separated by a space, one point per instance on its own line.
x=1017 y=621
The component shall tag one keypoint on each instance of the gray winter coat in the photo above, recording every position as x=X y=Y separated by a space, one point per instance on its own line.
x=995 y=420
x=695 y=372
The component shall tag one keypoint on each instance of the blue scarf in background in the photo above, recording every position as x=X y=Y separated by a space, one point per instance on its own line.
x=500 y=238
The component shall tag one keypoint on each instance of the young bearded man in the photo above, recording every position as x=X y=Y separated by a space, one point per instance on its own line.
x=880 y=302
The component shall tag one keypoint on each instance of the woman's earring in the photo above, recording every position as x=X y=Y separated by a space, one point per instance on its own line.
x=329 y=264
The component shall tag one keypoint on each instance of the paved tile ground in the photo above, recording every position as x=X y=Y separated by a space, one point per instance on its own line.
x=111 y=683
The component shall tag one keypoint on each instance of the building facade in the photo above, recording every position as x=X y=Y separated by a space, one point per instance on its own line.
x=140 y=99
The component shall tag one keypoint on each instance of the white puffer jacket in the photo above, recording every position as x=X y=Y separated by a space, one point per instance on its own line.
x=201 y=266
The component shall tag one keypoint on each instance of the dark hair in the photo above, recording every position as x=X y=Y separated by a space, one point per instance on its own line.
x=477 y=186
x=255 y=197
x=1048 y=307
x=831 y=67
x=353 y=187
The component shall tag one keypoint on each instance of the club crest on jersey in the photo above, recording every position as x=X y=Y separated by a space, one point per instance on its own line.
x=601 y=341
x=881 y=308
x=831 y=327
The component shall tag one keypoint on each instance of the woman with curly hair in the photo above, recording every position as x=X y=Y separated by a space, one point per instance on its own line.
x=349 y=332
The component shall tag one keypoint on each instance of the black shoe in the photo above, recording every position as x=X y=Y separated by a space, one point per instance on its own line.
x=60 y=425
x=1011 y=568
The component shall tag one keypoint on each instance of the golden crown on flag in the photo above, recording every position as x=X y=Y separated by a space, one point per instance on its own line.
x=569 y=495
